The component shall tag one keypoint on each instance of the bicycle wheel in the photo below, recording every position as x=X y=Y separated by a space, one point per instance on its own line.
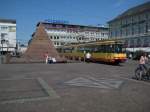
x=138 y=74
x=148 y=74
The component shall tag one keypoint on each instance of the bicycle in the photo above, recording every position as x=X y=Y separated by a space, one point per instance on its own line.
x=141 y=74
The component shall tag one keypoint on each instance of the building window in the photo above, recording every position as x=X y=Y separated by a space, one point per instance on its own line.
x=148 y=26
x=142 y=28
x=129 y=20
x=63 y=26
x=148 y=16
x=124 y=22
x=146 y=42
x=142 y=17
x=135 y=29
x=139 y=42
x=59 y=26
x=4 y=36
x=12 y=28
x=126 y=43
x=132 y=44
x=51 y=37
x=4 y=27
x=92 y=33
x=54 y=25
x=135 y=19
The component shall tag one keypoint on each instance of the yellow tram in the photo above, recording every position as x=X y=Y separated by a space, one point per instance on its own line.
x=110 y=51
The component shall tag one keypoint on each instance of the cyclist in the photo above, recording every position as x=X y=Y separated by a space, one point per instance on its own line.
x=87 y=57
x=143 y=61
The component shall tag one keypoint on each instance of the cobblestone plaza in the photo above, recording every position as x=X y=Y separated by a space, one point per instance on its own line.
x=72 y=87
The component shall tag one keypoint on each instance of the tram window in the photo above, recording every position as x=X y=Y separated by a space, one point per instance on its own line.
x=80 y=49
x=68 y=50
x=113 y=49
x=103 y=48
x=92 y=48
x=109 y=48
x=99 y=48
x=96 y=49
x=85 y=48
x=118 y=48
x=88 y=49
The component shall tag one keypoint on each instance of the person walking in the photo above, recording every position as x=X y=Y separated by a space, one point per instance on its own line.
x=46 y=57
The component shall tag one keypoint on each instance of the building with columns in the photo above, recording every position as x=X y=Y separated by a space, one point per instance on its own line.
x=133 y=26
x=63 y=33
x=7 y=35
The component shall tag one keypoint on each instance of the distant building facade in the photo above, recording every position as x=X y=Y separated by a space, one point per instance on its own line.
x=7 y=35
x=133 y=26
x=22 y=48
x=64 y=33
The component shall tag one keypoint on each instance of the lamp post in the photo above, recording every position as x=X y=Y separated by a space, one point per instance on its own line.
x=7 y=42
x=2 y=58
x=2 y=42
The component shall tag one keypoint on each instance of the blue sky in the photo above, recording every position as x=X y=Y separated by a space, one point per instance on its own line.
x=86 y=12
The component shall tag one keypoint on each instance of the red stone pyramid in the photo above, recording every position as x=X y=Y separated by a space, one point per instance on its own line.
x=39 y=45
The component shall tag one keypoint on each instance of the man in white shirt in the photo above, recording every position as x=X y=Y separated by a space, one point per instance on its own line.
x=88 y=57
x=54 y=60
